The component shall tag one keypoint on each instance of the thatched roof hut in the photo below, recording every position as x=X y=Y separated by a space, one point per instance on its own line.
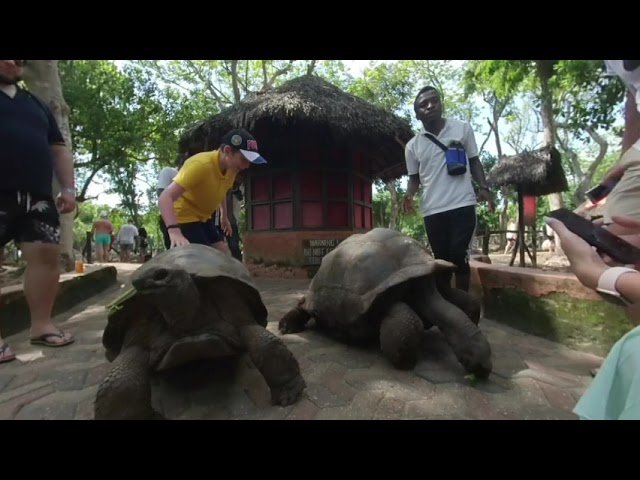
x=538 y=172
x=304 y=104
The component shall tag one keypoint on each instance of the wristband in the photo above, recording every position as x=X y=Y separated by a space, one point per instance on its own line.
x=175 y=225
x=608 y=279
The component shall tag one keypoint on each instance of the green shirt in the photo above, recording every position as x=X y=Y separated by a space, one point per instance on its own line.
x=614 y=393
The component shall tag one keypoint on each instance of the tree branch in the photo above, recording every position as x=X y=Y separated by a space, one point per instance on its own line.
x=484 y=142
x=217 y=94
x=83 y=193
x=603 y=147
x=279 y=72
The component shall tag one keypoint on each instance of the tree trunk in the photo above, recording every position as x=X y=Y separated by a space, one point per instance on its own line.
x=585 y=179
x=42 y=78
x=545 y=72
x=395 y=205
x=497 y=108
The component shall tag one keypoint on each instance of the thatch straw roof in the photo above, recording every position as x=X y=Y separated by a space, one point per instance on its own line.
x=309 y=105
x=538 y=171
x=590 y=210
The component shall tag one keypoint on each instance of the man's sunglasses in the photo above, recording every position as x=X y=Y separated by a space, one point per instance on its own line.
x=20 y=63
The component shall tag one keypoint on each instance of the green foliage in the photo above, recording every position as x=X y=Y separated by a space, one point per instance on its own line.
x=584 y=96
x=126 y=120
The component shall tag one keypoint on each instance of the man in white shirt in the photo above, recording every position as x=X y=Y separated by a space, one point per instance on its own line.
x=126 y=239
x=624 y=199
x=448 y=199
x=165 y=177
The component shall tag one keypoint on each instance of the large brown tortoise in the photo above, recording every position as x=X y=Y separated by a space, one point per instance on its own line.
x=187 y=304
x=384 y=285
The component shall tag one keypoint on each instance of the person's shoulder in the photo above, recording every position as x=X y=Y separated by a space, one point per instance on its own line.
x=34 y=98
x=412 y=140
x=457 y=123
x=199 y=159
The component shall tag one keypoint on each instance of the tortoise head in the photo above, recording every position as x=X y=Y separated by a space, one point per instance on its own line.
x=171 y=290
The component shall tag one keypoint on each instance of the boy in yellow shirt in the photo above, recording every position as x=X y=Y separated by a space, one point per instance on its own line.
x=200 y=188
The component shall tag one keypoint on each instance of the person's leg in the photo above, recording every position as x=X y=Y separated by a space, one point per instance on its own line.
x=437 y=227
x=222 y=246
x=125 y=252
x=9 y=216
x=233 y=241
x=102 y=244
x=39 y=237
x=215 y=237
x=463 y=225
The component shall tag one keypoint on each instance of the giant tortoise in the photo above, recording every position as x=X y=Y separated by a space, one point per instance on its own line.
x=189 y=303
x=384 y=285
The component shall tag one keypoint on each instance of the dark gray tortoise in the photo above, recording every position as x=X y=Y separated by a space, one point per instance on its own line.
x=187 y=304
x=384 y=285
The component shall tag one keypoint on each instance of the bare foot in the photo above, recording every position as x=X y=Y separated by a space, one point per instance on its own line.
x=51 y=338
x=6 y=355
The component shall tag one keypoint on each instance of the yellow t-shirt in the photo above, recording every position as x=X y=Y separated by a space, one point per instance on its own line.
x=205 y=187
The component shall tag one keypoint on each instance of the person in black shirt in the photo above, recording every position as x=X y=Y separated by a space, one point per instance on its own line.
x=32 y=149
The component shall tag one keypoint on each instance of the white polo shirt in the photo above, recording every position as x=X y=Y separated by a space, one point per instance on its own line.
x=440 y=191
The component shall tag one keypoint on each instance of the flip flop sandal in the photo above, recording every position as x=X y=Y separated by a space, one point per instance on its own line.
x=42 y=340
x=3 y=357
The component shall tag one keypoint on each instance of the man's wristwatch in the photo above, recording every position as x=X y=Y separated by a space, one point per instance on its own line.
x=68 y=190
x=607 y=283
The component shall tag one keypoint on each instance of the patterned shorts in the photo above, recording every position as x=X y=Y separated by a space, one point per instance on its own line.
x=28 y=218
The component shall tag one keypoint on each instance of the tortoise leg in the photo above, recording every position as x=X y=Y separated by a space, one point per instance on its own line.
x=401 y=336
x=275 y=361
x=461 y=299
x=467 y=340
x=125 y=393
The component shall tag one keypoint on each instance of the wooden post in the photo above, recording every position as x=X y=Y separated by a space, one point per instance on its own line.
x=521 y=225
x=486 y=236
x=534 y=255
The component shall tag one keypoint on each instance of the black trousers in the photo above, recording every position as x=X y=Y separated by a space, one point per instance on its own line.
x=450 y=235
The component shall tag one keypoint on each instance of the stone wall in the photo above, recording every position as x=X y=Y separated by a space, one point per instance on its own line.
x=552 y=305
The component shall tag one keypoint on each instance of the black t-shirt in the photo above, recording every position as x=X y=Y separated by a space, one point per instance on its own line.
x=27 y=131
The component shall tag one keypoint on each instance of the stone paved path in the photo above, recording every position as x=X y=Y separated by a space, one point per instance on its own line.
x=533 y=378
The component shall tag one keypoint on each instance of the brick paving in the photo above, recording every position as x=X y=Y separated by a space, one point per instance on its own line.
x=533 y=378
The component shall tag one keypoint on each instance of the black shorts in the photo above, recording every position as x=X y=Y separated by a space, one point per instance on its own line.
x=205 y=233
x=450 y=235
x=28 y=218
